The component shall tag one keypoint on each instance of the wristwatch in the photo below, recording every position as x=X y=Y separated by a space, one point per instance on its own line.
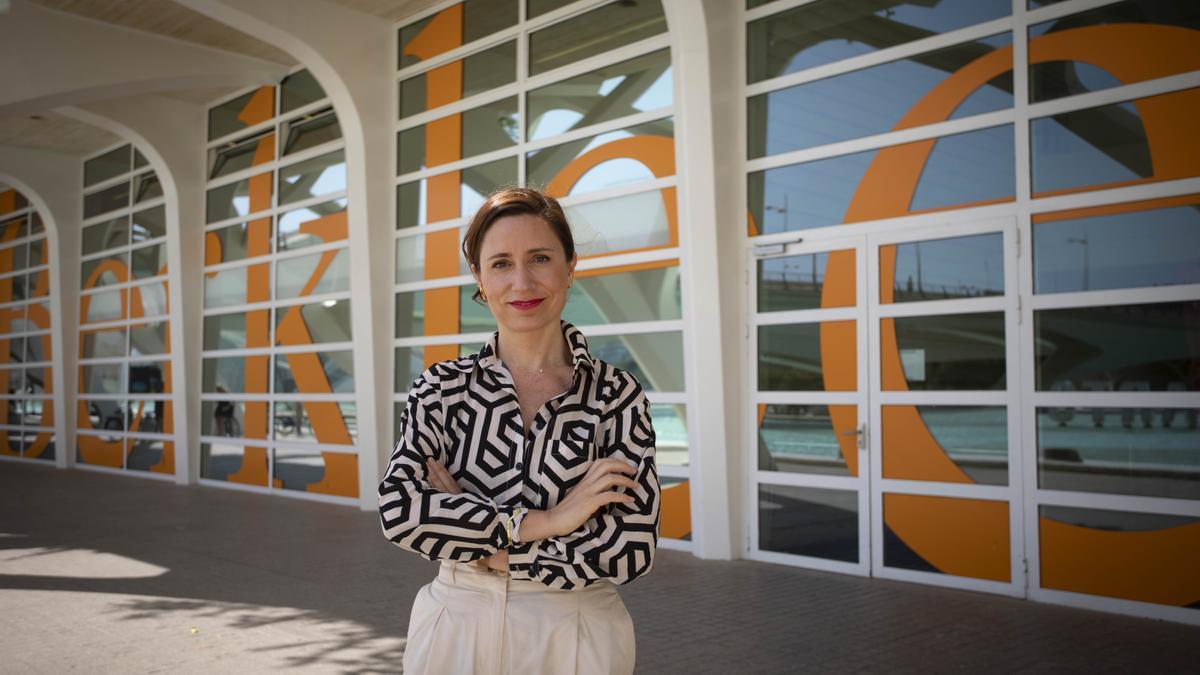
x=512 y=524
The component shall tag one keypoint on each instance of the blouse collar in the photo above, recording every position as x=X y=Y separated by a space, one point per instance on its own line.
x=580 y=356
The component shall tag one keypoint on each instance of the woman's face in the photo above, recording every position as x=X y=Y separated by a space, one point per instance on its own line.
x=524 y=272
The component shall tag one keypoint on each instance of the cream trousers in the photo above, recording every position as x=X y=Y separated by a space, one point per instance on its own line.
x=472 y=620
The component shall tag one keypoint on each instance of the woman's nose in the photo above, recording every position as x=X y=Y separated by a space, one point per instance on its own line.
x=522 y=277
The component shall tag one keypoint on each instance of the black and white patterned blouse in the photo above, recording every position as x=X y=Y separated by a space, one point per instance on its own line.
x=465 y=414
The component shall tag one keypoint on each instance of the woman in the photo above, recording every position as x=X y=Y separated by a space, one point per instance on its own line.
x=527 y=470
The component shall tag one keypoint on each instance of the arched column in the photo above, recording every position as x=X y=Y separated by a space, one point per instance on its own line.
x=349 y=53
x=39 y=176
x=170 y=134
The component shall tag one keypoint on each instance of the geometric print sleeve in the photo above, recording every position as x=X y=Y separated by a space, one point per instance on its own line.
x=417 y=517
x=618 y=544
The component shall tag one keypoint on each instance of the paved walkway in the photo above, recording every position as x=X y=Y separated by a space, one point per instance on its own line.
x=106 y=573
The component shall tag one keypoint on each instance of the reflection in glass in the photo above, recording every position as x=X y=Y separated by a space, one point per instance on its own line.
x=148 y=378
x=488 y=69
x=962 y=169
x=243 y=153
x=937 y=269
x=793 y=282
x=974 y=438
x=311 y=130
x=1055 y=79
x=144 y=453
x=968 y=169
x=219 y=460
x=801 y=439
x=293 y=420
x=146 y=187
x=670 y=430
x=545 y=165
x=595 y=32
x=325 y=272
x=244 y=111
x=1151 y=452
x=320 y=373
x=1113 y=521
x=655 y=359
x=225 y=331
x=99 y=344
x=789 y=356
x=102 y=378
x=148 y=339
x=296 y=469
x=1134 y=249
x=312 y=225
x=637 y=85
x=489 y=127
x=109 y=165
x=105 y=270
x=867 y=101
x=227 y=418
x=812 y=522
x=644 y=295
x=108 y=199
x=474 y=184
x=228 y=244
x=408 y=364
x=1151 y=347
x=107 y=306
x=149 y=417
x=299 y=89
x=445 y=30
x=321 y=175
x=238 y=198
x=628 y=222
x=228 y=287
x=106 y=235
x=151 y=298
x=149 y=261
x=107 y=415
x=948 y=352
x=149 y=224
x=227 y=374
x=831 y=30
x=327 y=321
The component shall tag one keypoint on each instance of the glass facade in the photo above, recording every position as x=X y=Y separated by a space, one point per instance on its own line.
x=124 y=418
x=26 y=368
x=278 y=406
x=594 y=129
x=913 y=119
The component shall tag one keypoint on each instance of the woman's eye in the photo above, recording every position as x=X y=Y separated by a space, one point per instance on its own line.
x=499 y=263
x=541 y=258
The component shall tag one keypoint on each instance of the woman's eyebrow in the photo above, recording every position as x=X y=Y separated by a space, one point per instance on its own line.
x=532 y=250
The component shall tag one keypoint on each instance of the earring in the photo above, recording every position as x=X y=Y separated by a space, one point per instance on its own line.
x=481 y=295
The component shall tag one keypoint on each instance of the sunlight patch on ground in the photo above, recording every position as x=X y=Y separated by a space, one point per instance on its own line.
x=79 y=563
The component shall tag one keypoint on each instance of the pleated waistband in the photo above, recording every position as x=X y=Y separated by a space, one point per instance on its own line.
x=473 y=575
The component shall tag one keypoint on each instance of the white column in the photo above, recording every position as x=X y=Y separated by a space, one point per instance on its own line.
x=170 y=133
x=712 y=214
x=50 y=181
x=351 y=55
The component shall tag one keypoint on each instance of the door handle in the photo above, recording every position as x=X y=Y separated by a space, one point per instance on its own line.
x=861 y=433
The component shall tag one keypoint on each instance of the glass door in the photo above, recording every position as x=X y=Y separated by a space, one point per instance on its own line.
x=945 y=475
x=809 y=497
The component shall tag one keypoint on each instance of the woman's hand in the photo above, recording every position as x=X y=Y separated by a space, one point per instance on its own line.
x=440 y=478
x=596 y=490
x=442 y=481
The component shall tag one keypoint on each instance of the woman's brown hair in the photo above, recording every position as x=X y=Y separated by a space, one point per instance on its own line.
x=513 y=202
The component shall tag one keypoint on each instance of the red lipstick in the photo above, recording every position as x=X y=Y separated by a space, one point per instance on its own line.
x=526 y=305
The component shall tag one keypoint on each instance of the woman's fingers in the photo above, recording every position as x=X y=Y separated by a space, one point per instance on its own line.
x=441 y=478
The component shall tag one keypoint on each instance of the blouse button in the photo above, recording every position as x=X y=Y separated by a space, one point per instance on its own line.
x=520 y=465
